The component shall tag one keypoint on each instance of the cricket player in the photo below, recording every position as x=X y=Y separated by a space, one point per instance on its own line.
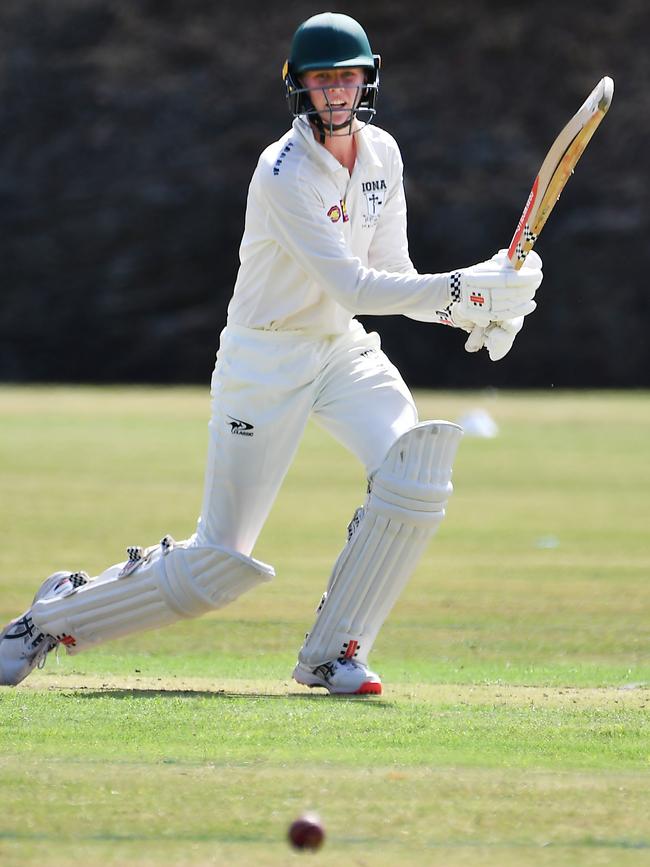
x=324 y=240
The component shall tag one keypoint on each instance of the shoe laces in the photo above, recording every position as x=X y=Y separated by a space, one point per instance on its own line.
x=37 y=644
x=351 y=662
x=42 y=652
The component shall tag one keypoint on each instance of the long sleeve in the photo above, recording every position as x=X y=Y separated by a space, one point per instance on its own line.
x=296 y=217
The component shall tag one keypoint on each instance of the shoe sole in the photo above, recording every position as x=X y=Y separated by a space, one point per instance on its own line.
x=370 y=687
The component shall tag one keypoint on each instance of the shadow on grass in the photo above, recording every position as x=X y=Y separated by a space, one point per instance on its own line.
x=123 y=693
x=588 y=843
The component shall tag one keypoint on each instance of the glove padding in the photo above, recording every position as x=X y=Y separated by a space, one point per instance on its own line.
x=493 y=291
x=497 y=338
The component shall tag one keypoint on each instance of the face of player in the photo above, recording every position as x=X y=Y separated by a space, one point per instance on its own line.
x=334 y=93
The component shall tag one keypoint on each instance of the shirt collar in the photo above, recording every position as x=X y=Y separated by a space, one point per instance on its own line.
x=366 y=154
x=302 y=126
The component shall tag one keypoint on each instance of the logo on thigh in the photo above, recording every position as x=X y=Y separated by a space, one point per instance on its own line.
x=240 y=428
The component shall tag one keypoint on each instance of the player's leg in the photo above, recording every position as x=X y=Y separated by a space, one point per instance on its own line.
x=363 y=401
x=408 y=489
x=259 y=391
x=262 y=393
x=153 y=588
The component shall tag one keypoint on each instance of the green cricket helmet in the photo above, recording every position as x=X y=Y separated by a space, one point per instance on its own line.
x=331 y=41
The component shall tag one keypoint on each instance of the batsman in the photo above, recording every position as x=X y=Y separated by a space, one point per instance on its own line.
x=324 y=240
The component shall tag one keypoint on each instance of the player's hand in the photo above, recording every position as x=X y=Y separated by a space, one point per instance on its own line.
x=497 y=338
x=493 y=291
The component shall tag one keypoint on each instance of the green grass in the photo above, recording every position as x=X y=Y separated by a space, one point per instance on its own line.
x=514 y=725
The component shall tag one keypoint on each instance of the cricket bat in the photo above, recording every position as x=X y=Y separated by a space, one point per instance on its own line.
x=557 y=168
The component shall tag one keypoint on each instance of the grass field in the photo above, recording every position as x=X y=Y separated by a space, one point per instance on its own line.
x=513 y=729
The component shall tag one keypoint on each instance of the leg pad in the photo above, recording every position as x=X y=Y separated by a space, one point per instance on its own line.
x=405 y=506
x=155 y=587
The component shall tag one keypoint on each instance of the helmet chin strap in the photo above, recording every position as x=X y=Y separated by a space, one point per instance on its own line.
x=329 y=129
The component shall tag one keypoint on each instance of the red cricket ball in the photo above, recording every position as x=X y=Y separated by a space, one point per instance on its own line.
x=306 y=832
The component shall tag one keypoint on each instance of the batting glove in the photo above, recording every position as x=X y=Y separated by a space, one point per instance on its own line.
x=493 y=291
x=497 y=338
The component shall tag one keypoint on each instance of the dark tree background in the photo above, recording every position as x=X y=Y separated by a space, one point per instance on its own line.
x=130 y=131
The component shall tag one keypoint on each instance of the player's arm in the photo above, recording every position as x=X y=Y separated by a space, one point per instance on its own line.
x=297 y=218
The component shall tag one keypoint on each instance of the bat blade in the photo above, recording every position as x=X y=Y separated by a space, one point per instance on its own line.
x=557 y=168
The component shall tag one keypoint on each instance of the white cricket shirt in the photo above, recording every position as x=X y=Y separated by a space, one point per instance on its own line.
x=320 y=246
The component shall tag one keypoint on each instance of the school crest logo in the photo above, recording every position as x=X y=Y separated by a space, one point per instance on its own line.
x=374 y=193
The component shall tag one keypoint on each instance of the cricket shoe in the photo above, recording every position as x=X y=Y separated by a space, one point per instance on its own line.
x=341 y=677
x=23 y=646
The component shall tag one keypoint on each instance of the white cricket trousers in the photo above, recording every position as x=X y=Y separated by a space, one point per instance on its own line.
x=265 y=386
